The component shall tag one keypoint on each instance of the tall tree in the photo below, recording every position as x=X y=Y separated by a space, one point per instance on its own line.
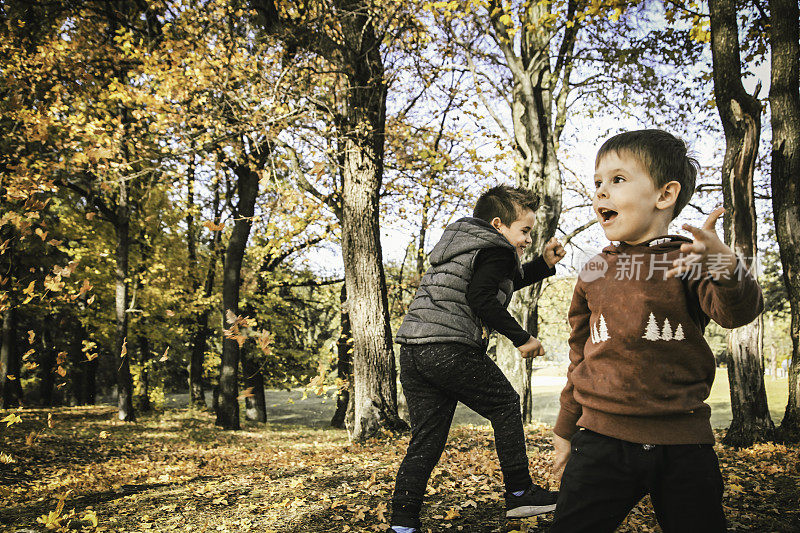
x=740 y=114
x=247 y=179
x=784 y=100
x=343 y=33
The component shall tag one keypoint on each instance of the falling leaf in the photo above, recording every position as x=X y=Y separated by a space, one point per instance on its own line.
x=319 y=168
x=86 y=287
x=103 y=434
x=11 y=419
x=50 y=422
x=246 y=393
x=29 y=289
x=31 y=336
x=170 y=313
x=124 y=350
x=214 y=227
x=164 y=357
x=90 y=215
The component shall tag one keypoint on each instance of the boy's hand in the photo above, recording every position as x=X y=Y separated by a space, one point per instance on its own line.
x=532 y=348
x=708 y=251
x=562 y=447
x=553 y=252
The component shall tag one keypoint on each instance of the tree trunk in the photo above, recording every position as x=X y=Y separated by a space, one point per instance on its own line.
x=254 y=402
x=47 y=362
x=199 y=338
x=741 y=120
x=374 y=371
x=247 y=185
x=527 y=399
x=200 y=329
x=90 y=382
x=10 y=389
x=784 y=100
x=77 y=372
x=344 y=365
x=144 y=373
x=121 y=351
x=536 y=133
x=355 y=52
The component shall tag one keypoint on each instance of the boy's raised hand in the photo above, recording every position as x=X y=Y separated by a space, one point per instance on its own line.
x=553 y=252
x=706 y=245
x=532 y=348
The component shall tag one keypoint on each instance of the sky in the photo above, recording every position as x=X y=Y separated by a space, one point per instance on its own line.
x=584 y=132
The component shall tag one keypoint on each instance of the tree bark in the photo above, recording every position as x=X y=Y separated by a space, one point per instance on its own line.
x=247 y=186
x=344 y=365
x=144 y=373
x=9 y=361
x=360 y=139
x=374 y=370
x=47 y=362
x=784 y=99
x=741 y=120
x=538 y=114
x=121 y=351
x=200 y=329
x=255 y=404
x=77 y=372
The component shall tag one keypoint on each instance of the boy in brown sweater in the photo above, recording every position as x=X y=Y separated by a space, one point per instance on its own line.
x=633 y=416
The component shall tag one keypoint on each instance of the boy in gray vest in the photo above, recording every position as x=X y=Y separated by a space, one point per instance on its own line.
x=475 y=268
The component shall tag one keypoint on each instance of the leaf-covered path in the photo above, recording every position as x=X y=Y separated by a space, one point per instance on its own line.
x=177 y=472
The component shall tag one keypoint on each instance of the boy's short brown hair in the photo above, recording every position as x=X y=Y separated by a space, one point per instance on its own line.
x=663 y=155
x=505 y=202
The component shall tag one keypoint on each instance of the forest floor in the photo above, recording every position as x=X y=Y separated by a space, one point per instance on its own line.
x=81 y=469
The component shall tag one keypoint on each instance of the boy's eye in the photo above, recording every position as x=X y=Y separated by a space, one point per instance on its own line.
x=597 y=184
x=618 y=179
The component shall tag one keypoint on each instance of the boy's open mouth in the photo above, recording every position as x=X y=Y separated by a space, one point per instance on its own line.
x=607 y=214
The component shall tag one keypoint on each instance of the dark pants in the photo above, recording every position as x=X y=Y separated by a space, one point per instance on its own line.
x=606 y=477
x=435 y=377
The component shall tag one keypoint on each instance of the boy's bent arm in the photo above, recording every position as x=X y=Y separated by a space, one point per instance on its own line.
x=571 y=410
x=732 y=304
x=492 y=267
x=533 y=271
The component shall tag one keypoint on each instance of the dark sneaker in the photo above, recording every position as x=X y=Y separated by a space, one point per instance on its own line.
x=532 y=502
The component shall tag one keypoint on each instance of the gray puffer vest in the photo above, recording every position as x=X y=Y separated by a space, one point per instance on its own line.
x=439 y=311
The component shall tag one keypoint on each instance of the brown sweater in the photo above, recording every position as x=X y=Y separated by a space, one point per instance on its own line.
x=640 y=369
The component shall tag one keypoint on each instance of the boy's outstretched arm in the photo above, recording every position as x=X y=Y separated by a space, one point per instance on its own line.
x=726 y=290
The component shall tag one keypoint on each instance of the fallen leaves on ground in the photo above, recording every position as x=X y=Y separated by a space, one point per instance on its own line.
x=175 y=471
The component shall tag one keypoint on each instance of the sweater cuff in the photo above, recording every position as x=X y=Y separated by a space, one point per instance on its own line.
x=518 y=339
x=543 y=267
x=566 y=423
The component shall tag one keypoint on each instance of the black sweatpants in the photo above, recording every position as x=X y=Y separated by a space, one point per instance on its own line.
x=606 y=477
x=435 y=377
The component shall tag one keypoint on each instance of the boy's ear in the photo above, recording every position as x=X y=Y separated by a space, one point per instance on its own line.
x=669 y=195
x=496 y=223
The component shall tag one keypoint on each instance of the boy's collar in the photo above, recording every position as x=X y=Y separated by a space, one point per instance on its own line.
x=663 y=243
